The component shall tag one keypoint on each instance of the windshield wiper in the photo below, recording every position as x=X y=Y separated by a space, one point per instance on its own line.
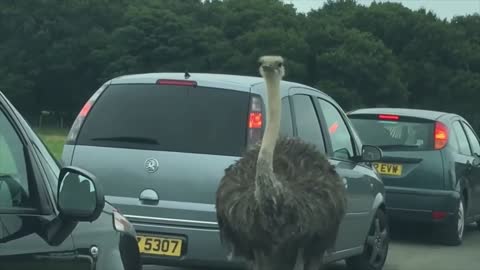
x=143 y=140
x=399 y=146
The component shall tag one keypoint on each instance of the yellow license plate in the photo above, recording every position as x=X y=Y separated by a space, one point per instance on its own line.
x=388 y=169
x=160 y=246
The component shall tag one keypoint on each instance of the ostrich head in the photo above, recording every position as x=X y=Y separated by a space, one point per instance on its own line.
x=271 y=67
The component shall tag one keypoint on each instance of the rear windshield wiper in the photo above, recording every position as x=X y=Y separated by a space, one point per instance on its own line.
x=399 y=146
x=143 y=140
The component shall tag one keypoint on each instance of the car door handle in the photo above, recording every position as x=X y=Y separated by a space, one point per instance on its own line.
x=149 y=195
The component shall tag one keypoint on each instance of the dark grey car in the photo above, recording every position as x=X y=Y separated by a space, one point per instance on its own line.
x=54 y=217
x=430 y=166
x=160 y=144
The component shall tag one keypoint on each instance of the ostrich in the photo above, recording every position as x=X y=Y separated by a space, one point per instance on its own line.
x=281 y=204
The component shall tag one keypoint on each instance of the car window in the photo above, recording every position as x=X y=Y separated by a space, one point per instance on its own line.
x=339 y=134
x=472 y=139
x=394 y=134
x=462 y=139
x=50 y=166
x=286 y=128
x=15 y=190
x=308 y=126
x=169 y=116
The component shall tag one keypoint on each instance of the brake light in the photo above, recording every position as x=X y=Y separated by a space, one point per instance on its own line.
x=255 y=120
x=440 y=135
x=388 y=117
x=77 y=124
x=86 y=108
x=177 y=82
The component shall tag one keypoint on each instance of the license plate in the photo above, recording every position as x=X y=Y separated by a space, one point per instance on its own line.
x=388 y=169
x=160 y=246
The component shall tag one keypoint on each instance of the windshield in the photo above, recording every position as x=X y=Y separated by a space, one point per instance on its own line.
x=395 y=135
x=169 y=118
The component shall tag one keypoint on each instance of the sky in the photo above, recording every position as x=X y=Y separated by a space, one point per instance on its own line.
x=443 y=8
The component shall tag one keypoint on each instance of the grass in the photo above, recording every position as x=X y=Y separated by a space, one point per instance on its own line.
x=54 y=138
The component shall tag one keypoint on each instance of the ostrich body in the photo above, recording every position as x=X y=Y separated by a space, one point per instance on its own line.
x=281 y=204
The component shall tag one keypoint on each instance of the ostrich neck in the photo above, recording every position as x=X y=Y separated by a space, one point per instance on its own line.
x=273 y=123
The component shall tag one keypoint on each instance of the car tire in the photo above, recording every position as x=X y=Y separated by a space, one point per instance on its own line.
x=377 y=241
x=451 y=234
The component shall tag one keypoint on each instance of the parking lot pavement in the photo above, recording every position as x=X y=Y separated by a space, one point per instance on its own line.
x=413 y=249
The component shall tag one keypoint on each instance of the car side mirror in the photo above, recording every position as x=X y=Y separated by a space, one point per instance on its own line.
x=371 y=153
x=80 y=197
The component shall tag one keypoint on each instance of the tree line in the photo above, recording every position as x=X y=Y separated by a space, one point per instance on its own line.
x=54 y=54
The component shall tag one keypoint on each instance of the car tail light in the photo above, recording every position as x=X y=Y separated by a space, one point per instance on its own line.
x=388 y=117
x=255 y=120
x=120 y=223
x=77 y=124
x=176 y=82
x=440 y=135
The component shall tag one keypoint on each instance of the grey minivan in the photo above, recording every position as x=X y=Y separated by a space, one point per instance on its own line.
x=160 y=142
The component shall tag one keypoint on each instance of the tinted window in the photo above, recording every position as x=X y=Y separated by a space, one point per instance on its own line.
x=15 y=190
x=286 y=128
x=473 y=139
x=341 y=139
x=169 y=118
x=306 y=120
x=397 y=135
x=462 y=139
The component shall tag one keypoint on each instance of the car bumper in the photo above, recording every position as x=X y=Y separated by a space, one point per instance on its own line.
x=418 y=205
x=204 y=248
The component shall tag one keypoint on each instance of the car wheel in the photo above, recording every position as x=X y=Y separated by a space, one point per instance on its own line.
x=452 y=233
x=376 y=246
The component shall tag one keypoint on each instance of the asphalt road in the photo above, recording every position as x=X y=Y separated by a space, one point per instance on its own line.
x=413 y=249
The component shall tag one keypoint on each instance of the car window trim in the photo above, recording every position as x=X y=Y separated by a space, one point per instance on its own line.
x=31 y=162
x=289 y=104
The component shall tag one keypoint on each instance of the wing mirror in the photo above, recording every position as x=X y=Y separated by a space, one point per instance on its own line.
x=80 y=197
x=371 y=153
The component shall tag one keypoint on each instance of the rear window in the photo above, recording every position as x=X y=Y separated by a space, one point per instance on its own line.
x=408 y=134
x=168 y=118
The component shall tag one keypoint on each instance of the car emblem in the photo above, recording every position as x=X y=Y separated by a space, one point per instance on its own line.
x=151 y=165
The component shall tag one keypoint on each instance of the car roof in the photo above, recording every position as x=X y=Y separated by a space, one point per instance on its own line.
x=229 y=81
x=420 y=113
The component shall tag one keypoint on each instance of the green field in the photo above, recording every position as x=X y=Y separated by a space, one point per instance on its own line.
x=54 y=138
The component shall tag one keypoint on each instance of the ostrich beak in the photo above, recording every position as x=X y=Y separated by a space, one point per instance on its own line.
x=267 y=67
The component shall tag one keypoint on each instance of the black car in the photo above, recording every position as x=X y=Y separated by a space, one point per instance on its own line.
x=430 y=166
x=53 y=217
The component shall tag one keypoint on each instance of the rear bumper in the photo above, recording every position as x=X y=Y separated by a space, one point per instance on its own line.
x=417 y=205
x=203 y=249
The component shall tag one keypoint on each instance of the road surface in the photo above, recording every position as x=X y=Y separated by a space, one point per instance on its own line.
x=413 y=249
